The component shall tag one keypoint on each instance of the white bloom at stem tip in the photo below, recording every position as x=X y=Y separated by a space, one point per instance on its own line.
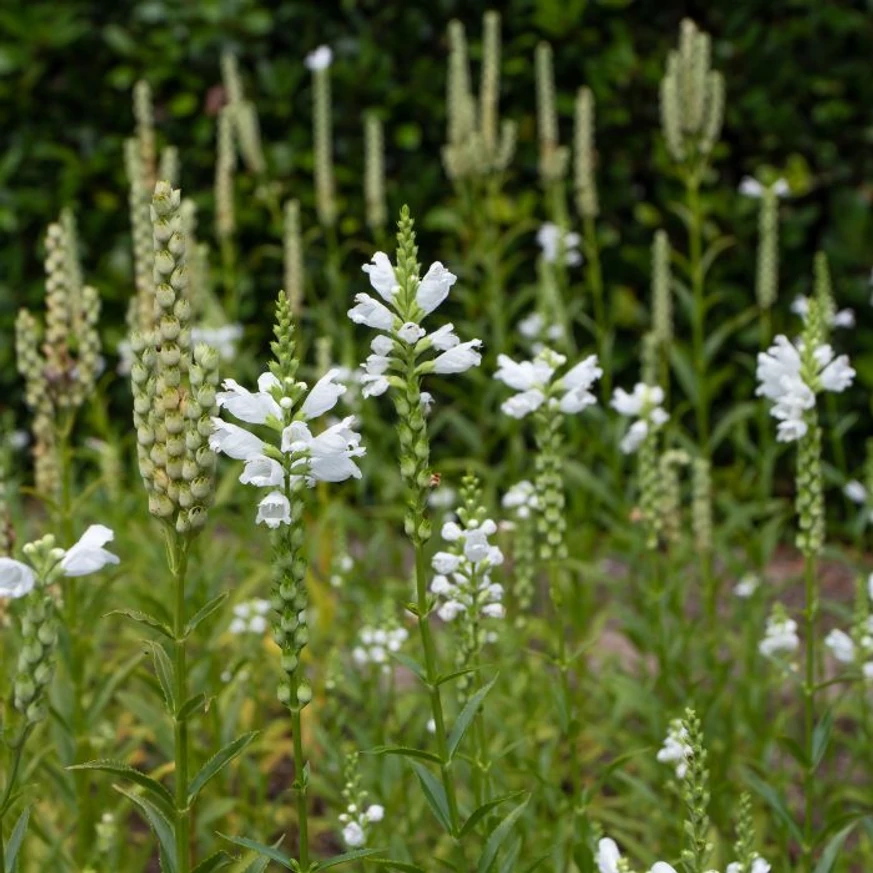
x=320 y=59
x=16 y=579
x=88 y=555
x=434 y=287
x=550 y=236
x=645 y=402
x=675 y=749
x=323 y=396
x=274 y=510
x=844 y=318
x=327 y=457
x=780 y=637
x=751 y=187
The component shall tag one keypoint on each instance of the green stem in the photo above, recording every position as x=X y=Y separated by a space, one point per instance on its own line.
x=179 y=568
x=228 y=278
x=810 y=615
x=695 y=254
x=301 y=779
x=431 y=676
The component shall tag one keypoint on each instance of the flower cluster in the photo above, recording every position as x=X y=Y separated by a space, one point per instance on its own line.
x=791 y=378
x=376 y=644
x=521 y=499
x=747 y=586
x=523 y=504
x=676 y=748
x=644 y=404
x=571 y=393
x=609 y=860
x=780 y=635
x=840 y=318
x=358 y=815
x=856 y=647
x=250 y=617
x=535 y=329
x=751 y=187
x=559 y=245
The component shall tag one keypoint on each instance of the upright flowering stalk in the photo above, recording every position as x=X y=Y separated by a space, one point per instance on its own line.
x=522 y=503
x=319 y=62
x=374 y=174
x=791 y=378
x=548 y=397
x=692 y=111
x=293 y=257
x=285 y=466
x=174 y=399
x=402 y=354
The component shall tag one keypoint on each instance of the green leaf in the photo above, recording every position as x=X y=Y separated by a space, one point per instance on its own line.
x=214 y=862
x=498 y=837
x=480 y=812
x=217 y=763
x=159 y=794
x=159 y=824
x=191 y=705
x=164 y=672
x=396 y=865
x=145 y=618
x=354 y=855
x=16 y=838
x=466 y=716
x=456 y=674
x=406 y=752
x=821 y=737
x=776 y=803
x=832 y=849
x=270 y=852
x=410 y=664
x=204 y=612
x=435 y=795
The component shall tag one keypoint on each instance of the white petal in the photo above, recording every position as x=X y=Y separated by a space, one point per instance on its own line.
x=88 y=555
x=371 y=313
x=383 y=279
x=16 y=579
x=323 y=396
x=434 y=287
x=245 y=405
x=234 y=441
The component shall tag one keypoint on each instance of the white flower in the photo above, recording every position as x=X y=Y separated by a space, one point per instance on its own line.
x=444 y=338
x=248 y=406
x=434 y=287
x=576 y=382
x=520 y=405
x=608 y=856
x=675 y=749
x=234 y=441
x=383 y=345
x=450 y=610
x=759 y=865
x=522 y=497
x=459 y=358
x=327 y=457
x=836 y=373
x=841 y=645
x=751 y=187
x=844 y=318
x=371 y=312
x=223 y=339
x=663 y=867
x=320 y=59
x=747 y=586
x=549 y=238
x=870 y=586
x=88 y=555
x=262 y=472
x=374 y=812
x=16 y=579
x=411 y=333
x=353 y=834
x=525 y=375
x=645 y=402
x=855 y=491
x=531 y=326
x=274 y=510
x=780 y=637
x=445 y=562
x=323 y=396
x=383 y=279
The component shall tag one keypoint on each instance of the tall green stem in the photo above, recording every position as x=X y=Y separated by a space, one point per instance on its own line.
x=695 y=259
x=179 y=567
x=809 y=686
x=301 y=780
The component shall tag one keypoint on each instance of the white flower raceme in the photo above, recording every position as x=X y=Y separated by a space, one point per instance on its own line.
x=223 y=339
x=320 y=59
x=759 y=865
x=250 y=617
x=327 y=456
x=782 y=380
x=376 y=644
x=747 y=586
x=676 y=749
x=751 y=187
x=356 y=823
x=780 y=636
x=522 y=499
x=644 y=404
x=534 y=382
x=843 y=318
x=88 y=555
x=16 y=579
x=550 y=238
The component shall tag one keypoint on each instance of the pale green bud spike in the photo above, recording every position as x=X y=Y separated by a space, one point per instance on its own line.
x=714 y=112
x=248 y=130
x=374 y=172
x=671 y=117
x=489 y=86
x=506 y=149
x=823 y=290
x=293 y=257
x=141 y=230
x=586 y=188
x=225 y=167
x=145 y=131
x=671 y=493
x=230 y=78
x=695 y=791
x=459 y=92
x=325 y=197
x=649 y=358
x=73 y=265
x=662 y=294
x=553 y=158
x=701 y=511
x=169 y=165
x=767 y=276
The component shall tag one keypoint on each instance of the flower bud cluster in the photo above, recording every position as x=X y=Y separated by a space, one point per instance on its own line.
x=374 y=172
x=174 y=387
x=780 y=640
x=322 y=129
x=671 y=493
x=142 y=306
x=522 y=504
x=401 y=356
x=692 y=98
x=586 y=188
x=856 y=647
x=554 y=158
x=478 y=144
x=293 y=256
x=243 y=116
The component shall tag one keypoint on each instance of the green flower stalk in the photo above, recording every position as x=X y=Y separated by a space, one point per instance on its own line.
x=695 y=792
x=168 y=168
x=671 y=493
x=767 y=274
x=293 y=257
x=374 y=173
x=522 y=503
x=143 y=112
x=319 y=63
x=662 y=293
x=139 y=197
x=243 y=115
x=554 y=158
x=225 y=168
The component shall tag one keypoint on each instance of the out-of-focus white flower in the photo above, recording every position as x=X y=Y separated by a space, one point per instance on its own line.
x=224 y=339
x=675 y=749
x=751 y=187
x=522 y=499
x=747 y=586
x=16 y=579
x=608 y=856
x=550 y=237
x=353 y=835
x=320 y=59
x=88 y=555
x=376 y=645
x=459 y=358
x=759 y=865
x=645 y=405
x=855 y=491
x=250 y=616
x=841 y=645
x=843 y=318
x=273 y=510
x=780 y=636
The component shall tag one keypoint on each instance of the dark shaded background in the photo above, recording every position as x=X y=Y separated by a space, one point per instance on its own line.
x=800 y=95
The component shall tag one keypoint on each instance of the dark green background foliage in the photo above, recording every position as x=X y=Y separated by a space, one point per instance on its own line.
x=800 y=92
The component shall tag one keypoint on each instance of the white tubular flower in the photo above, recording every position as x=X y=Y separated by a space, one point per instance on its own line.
x=88 y=555
x=751 y=187
x=792 y=391
x=533 y=380
x=411 y=333
x=459 y=358
x=371 y=312
x=234 y=441
x=759 y=865
x=645 y=405
x=320 y=59
x=855 y=491
x=522 y=498
x=374 y=812
x=780 y=636
x=676 y=749
x=263 y=472
x=747 y=586
x=248 y=406
x=16 y=579
x=327 y=457
x=273 y=510
x=443 y=338
x=549 y=237
x=844 y=318
x=323 y=396
x=663 y=867
x=841 y=645
x=383 y=279
x=434 y=287
x=608 y=856
x=353 y=835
